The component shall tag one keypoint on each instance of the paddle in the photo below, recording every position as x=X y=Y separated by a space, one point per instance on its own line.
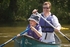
x=58 y=31
x=13 y=38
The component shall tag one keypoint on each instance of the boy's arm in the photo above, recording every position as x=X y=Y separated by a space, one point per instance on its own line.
x=38 y=32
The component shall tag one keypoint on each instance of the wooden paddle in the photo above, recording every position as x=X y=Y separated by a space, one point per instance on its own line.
x=13 y=38
x=55 y=28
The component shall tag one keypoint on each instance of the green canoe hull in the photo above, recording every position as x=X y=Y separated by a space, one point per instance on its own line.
x=26 y=41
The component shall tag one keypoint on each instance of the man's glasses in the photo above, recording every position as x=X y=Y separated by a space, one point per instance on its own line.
x=46 y=7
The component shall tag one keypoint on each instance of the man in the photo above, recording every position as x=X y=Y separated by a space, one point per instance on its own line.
x=48 y=30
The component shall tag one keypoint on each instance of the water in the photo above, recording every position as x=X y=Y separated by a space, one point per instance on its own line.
x=7 y=33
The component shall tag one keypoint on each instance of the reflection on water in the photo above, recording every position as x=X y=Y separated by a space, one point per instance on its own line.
x=6 y=35
x=65 y=45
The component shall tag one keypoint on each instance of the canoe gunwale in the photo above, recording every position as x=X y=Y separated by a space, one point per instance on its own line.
x=38 y=40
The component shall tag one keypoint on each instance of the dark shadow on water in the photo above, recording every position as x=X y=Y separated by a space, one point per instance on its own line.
x=14 y=24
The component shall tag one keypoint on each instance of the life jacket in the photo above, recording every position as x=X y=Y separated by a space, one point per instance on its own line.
x=32 y=33
x=45 y=26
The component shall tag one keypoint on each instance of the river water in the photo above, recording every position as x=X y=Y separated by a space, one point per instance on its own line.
x=7 y=33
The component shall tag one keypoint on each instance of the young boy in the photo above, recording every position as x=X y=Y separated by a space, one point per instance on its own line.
x=35 y=29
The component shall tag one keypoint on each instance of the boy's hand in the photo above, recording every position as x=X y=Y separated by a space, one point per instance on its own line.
x=32 y=28
x=18 y=35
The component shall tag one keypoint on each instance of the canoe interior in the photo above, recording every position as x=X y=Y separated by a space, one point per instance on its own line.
x=27 y=41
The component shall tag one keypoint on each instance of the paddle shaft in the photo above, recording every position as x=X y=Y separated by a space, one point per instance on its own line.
x=55 y=28
x=13 y=38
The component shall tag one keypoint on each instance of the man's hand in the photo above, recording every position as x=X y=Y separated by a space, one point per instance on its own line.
x=56 y=29
x=34 y=11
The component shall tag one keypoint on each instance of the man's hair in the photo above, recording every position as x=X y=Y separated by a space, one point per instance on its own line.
x=47 y=3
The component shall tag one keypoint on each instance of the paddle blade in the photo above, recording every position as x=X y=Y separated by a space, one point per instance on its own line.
x=2 y=45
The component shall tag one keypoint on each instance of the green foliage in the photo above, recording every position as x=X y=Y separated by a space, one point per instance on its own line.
x=25 y=7
x=7 y=11
x=12 y=10
x=61 y=9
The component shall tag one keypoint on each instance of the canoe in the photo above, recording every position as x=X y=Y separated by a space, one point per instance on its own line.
x=27 y=41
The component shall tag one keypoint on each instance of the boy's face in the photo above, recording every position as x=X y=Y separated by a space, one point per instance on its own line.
x=32 y=23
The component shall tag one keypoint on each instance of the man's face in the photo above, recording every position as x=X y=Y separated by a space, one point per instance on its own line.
x=32 y=23
x=46 y=8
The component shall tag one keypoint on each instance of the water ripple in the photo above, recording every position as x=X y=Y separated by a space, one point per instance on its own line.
x=6 y=36
x=65 y=45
